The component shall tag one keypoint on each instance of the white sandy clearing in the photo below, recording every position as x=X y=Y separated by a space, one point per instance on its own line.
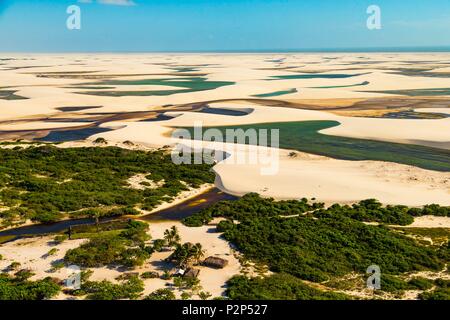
x=31 y=254
x=430 y=222
x=140 y=180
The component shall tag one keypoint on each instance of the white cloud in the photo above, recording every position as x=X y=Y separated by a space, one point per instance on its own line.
x=112 y=2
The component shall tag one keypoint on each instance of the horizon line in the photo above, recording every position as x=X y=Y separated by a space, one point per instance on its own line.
x=408 y=49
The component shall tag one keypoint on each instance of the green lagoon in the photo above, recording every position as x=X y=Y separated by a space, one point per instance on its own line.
x=316 y=76
x=304 y=136
x=187 y=85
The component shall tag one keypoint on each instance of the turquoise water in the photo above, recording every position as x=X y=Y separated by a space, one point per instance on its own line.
x=316 y=76
x=10 y=95
x=188 y=84
x=304 y=136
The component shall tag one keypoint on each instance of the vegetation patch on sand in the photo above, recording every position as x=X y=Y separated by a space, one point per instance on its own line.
x=20 y=288
x=46 y=184
x=124 y=248
x=315 y=244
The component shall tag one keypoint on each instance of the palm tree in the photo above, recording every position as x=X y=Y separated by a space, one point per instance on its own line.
x=172 y=236
x=188 y=254
x=197 y=252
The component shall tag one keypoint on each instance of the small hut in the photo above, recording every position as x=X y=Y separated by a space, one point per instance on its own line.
x=191 y=273
x=215 y=262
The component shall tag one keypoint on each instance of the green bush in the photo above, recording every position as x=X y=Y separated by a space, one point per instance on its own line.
x=393 y=284
x=438 y=294
x=149 y=275
x=104 y=290
x=125 y=249
x=276 y=287
x=22 y=289
x=321 y=244
x=161 y=294
x=420 y=283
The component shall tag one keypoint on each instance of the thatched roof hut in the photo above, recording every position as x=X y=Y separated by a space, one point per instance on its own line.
x=215 y=262
x=191 y=273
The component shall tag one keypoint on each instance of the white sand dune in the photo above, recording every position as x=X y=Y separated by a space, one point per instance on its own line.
x=337 y=181
x=326 y=179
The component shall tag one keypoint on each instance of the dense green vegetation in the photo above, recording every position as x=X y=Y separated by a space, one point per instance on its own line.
x=252 y=205
x=47 y=183
x=124 y=248
x=161 y=294
x=276 y=287
x=312 y=243
x=130 y=288
x=304 y=136
x=441 y=292
x=372 y=210
x=19 y=288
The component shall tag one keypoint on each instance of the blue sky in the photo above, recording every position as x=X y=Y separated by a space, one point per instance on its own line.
x=216 y=25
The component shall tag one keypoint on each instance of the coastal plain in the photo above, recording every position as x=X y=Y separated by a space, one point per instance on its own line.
x=355 y=126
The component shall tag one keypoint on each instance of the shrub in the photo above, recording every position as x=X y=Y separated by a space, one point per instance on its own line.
x=87 y=181
x=420 y=283
x=150 y=275
x=22 y=289
x=60 y=238
x=105 y=290
x=276 y=287
x=100 y=141
x=161 y=294
x=126 y=249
